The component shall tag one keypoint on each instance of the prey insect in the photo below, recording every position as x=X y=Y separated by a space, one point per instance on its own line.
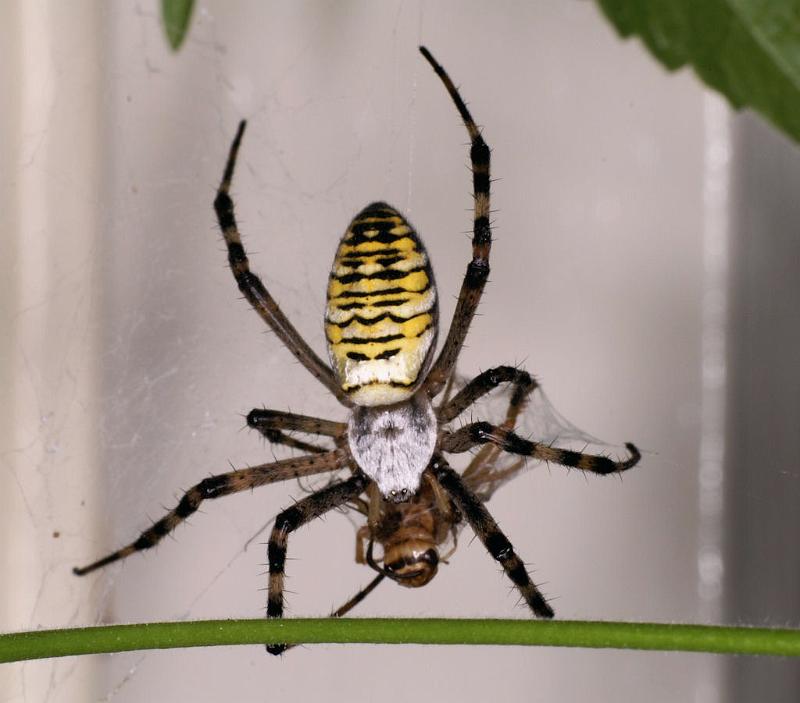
x=381 y=325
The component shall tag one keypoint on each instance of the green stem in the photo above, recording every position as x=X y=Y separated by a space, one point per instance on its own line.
x=562 y=633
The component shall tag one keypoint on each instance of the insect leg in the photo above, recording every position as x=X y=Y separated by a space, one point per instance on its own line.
x=342 y=610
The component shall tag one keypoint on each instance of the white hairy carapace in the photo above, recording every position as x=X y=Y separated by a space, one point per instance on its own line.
x=393 y=445
x=381 y=324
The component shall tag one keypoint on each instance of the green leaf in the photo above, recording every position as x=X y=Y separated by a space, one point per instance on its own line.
x=176 y=15
x=748 y=50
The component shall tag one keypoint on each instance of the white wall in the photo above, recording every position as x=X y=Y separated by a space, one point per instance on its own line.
x=129 y=360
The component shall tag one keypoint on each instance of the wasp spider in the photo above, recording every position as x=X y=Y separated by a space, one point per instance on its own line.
x=381 y=325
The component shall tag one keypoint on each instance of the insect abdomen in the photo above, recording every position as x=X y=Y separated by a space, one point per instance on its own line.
x=382 y=314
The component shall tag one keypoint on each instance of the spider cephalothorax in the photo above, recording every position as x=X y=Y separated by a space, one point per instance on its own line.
x=394 y=444
x=381 y=326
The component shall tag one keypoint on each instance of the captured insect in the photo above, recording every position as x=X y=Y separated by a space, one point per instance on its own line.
x=381 y=325
x=417 y=535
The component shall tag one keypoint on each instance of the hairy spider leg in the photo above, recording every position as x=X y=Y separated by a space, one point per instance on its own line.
x=487 y=530
x=253 y=289
x=476 y=433
x=478 y=268
x=218 y=486
x=523 y=385
x=271 y=423
x=288 y=521
x=485 y=382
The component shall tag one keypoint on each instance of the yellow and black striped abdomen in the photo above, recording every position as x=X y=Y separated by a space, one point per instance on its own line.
x=381 y=319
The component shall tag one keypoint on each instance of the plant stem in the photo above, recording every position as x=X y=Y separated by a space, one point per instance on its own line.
x=562 y=633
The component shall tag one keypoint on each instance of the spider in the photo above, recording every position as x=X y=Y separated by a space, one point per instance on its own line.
x=381 y=326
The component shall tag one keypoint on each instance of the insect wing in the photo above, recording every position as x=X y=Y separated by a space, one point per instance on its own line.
x=538 y=421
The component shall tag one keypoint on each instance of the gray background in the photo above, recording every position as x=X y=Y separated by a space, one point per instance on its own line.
x=645 y=270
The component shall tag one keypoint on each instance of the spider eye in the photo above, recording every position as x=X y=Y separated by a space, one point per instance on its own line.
x=400 y=496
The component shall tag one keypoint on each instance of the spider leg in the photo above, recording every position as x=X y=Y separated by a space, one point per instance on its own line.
x=218 y=486
x=485 y=382
x=524 y=384
x=278 y=437
x=288 y=521
x=362 y=535
x=478 y=267
x=464 y=439
x=489 y=533
x=270 y=423
x=253 y=289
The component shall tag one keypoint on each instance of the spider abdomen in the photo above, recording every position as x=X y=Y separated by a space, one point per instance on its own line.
x=382 y=314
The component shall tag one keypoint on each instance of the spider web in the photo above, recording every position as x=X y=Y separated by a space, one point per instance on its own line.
x=539 y=422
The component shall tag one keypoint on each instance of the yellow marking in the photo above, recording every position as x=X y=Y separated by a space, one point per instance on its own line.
x=406 y=263
x=366 y=267
x=400 y=368
x=414 y=282
x=345 y=250
x=368 y=303
x=374 y=381
x=334 y=335
x=416 y=303
x=377 y=218
x=380 y=394
x=364 y=222
x=398 y=222
x=410 y=329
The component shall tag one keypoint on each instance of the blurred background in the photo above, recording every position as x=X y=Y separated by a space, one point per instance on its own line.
x=646 y=243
